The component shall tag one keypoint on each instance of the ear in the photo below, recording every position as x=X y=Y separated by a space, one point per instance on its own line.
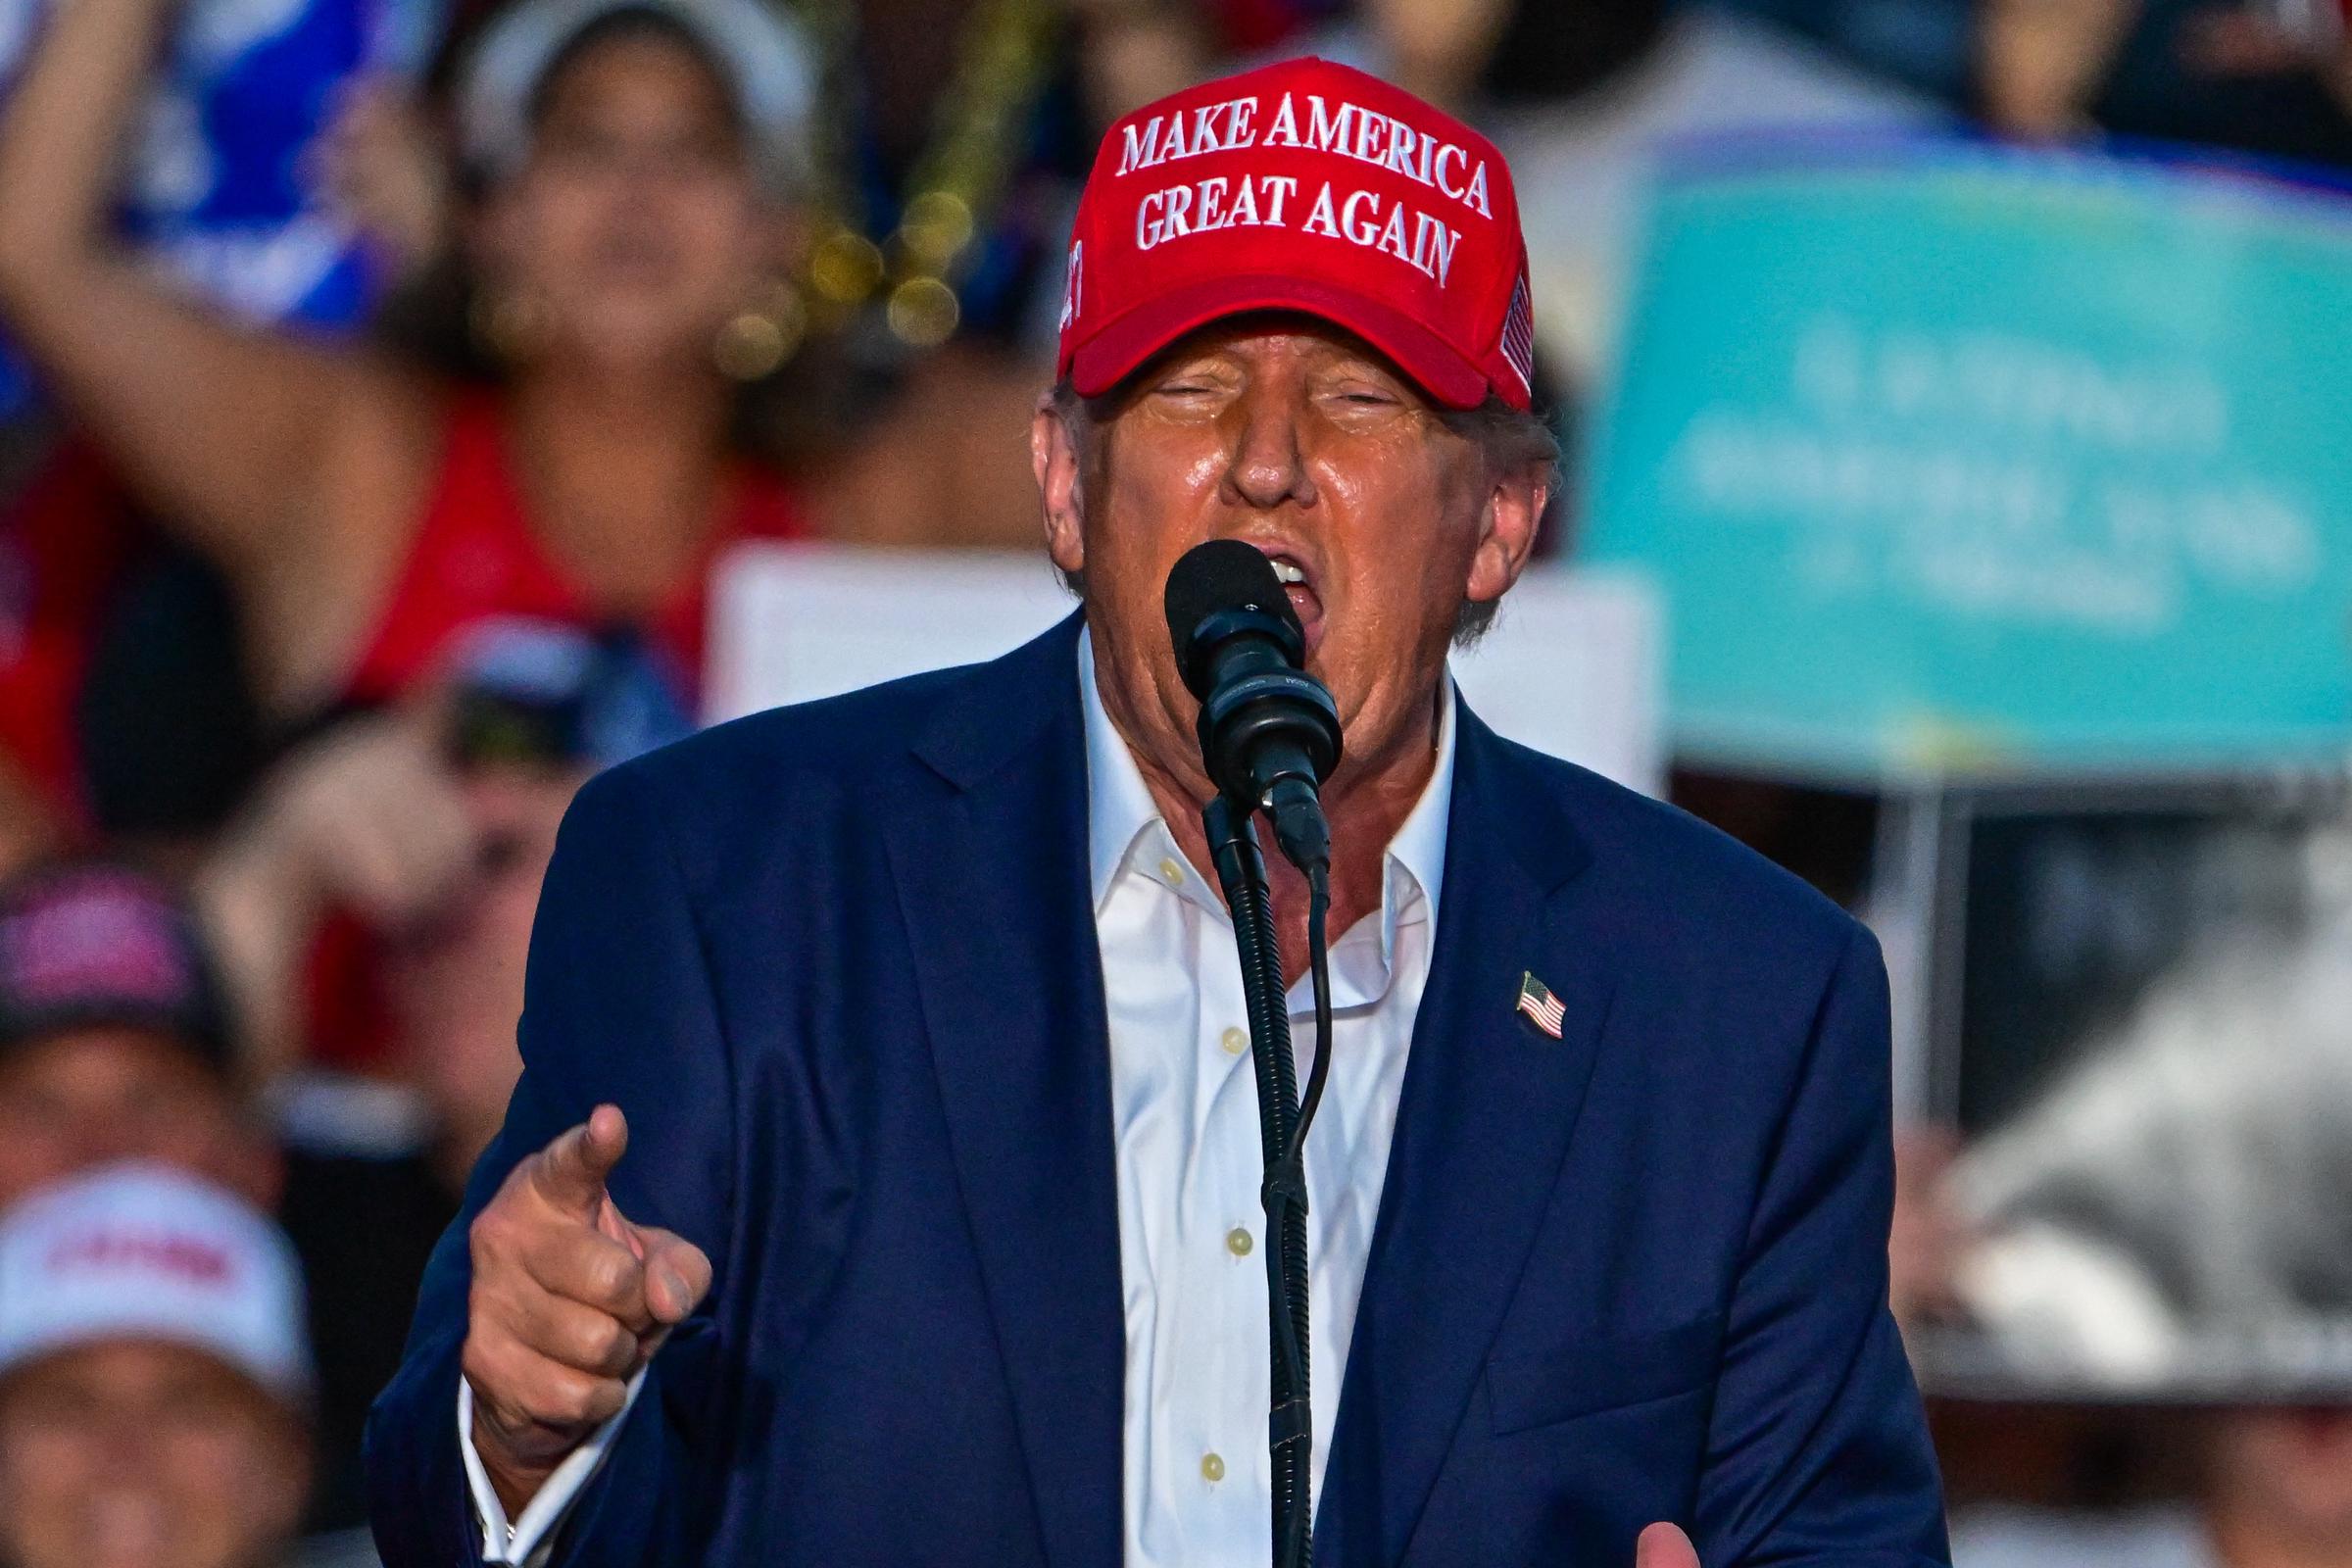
x=1054 y=458
x=1514 y=510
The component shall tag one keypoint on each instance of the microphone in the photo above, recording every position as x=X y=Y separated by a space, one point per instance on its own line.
x=1269 y=731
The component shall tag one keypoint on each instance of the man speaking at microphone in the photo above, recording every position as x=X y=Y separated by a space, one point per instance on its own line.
x=882 y=1183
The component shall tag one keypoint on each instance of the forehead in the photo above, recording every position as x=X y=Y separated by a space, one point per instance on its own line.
x=105 y=1054
x=632 y=73
x=126 y=1365
x=1272 y=337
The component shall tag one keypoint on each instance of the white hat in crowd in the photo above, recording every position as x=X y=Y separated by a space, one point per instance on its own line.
x=763 y=52
x=142 y=1252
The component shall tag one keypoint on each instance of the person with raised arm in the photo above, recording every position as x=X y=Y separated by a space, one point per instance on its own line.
x=636 y=158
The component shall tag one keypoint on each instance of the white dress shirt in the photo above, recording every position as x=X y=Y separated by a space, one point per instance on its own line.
x=1198 y=1478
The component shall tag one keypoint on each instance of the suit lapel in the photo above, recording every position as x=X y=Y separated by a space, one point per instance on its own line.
x=1488 y=1105
x=992 y=873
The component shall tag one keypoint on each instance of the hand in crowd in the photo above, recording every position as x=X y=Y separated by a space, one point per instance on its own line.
x=373 y=819
x=2247 y=41
x=1663 y=1545
x=2043 y=60
x=571 y=1298
x=368 y=820
x=1435 y=47
x=1928 y=1237
x=378 y=164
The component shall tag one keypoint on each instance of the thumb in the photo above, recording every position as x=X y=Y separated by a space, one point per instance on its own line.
x=1663 y=1545
x=569 y=1172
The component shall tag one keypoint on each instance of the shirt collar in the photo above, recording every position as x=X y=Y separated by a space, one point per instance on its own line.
x=1121 y=808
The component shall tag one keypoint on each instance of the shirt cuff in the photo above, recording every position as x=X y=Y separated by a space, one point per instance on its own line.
x=528 y=1542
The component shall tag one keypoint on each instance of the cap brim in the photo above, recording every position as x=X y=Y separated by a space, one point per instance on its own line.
x=1114 y=353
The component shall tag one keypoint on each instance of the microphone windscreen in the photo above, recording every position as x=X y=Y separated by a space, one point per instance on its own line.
x=1217 y=575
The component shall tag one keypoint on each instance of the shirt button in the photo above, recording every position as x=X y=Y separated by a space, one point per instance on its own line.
x=1213 y=1468
x=1237 y=1242
x=1234 y=1041
x=1172 y=869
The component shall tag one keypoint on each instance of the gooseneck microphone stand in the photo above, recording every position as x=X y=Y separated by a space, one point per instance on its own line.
x=1269 y=732
x=1282 y=1121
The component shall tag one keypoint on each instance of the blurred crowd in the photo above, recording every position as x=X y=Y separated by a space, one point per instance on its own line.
x=383 y=382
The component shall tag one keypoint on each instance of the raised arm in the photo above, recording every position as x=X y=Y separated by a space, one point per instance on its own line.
x=222 y=428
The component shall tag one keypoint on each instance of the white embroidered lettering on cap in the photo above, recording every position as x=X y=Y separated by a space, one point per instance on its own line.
x=1224 y=196
x=1361 y=216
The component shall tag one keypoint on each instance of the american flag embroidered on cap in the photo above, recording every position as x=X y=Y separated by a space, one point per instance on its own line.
x=1519 y=335
x=1543 y=1009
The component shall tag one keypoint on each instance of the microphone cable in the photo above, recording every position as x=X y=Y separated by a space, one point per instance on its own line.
x=1298 y=1546
x=1283 y=1121
x=1283 y=1196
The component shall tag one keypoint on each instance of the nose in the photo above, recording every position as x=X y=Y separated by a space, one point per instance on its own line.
x=1267 y=468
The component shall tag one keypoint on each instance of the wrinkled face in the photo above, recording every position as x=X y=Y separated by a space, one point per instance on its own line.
x=1302 y=440
x=140 y=1455
x=636 y=227
x=84 y=1097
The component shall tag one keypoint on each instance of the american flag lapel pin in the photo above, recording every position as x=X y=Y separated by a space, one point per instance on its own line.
x=1543 y=1009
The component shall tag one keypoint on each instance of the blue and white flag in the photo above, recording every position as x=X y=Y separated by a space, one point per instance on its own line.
x=215 y=190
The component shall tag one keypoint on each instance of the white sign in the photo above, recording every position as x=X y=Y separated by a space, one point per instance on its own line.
x=1572 y=665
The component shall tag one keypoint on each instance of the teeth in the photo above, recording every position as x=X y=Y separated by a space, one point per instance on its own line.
x=1289 y=572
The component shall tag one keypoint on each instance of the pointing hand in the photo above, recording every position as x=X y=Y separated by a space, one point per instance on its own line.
x=571 y=1298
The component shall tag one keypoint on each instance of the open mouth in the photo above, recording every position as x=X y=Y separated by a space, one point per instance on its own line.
x=1299 y=583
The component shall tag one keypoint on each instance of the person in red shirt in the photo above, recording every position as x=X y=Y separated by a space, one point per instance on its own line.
x=635 y=155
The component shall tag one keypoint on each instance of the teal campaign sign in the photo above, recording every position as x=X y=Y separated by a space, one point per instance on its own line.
x=1964 y=460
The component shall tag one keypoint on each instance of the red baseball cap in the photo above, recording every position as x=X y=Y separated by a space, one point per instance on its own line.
x=1308 y=186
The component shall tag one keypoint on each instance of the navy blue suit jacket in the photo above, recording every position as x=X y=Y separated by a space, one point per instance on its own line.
x=838 y=964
